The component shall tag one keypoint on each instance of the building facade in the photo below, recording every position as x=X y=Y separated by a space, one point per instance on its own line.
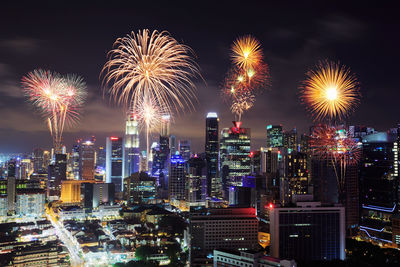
x=235 y=155
x=274 y=136
x=308 y=231
x=176 y=181
x=131 y=145
x=214 y=185
x=114 y=162
x=228 y=228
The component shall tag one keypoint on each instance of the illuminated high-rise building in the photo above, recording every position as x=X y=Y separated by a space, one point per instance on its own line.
x=101 y=157
x=114 y=162
x=38 y=163
x=140 y=188
x=184 y=149
x=75 y=159
x=379 y=186
x=176 y=180
x=196 y=180
x=235 y=155
x=297 y=173
x=172 y=144
x=46 y=159
x=274 y=136
x=290 y=140
x=87 y=160
x=57 y=172
x=214 y=185
x=165 y=125
x=131 y=145
x=161 y=152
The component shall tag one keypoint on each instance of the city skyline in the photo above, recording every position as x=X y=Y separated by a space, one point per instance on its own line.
x=290 y=49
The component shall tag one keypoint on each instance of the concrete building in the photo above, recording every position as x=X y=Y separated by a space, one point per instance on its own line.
x=214 y=185
x=234 y=155
x=228 y=228
x=30 y=203
x=115 y=162
x=176 y=180
x=140 y=188
x=87 y=160
x=36 y=255
x=308 y=231
x=71 y=191
x=131 y=146
x=274 y=136
x=248 y=259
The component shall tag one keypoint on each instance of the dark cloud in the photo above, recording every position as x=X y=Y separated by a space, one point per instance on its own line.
x=20 y=45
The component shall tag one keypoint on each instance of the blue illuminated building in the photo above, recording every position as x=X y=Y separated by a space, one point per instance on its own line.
x=379 y=187
x=176 y=181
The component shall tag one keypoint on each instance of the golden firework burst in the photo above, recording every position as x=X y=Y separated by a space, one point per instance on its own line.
x=330 y=91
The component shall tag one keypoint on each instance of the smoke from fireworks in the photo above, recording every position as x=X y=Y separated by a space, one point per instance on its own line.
x=330 y=91
x=57 y=98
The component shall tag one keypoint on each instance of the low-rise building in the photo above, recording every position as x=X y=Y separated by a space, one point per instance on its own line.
x=36 y=255
x=248 y=259
x=30 y=203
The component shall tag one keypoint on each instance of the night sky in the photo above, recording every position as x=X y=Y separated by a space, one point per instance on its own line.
x=71 y=37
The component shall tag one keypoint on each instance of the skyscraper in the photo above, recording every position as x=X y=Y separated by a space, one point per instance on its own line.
x=101 y=157
x=165 y=125
x=235 y=155
x=75 y=159
x=379 y=186
x=184 y=149
x=212 y=155
x=274 y=136
x=131 y=145
x=176 y=181
x=114 y=162
x=38 y=160
x=196 y=179
x=87 y=159
x=290 y=140
x=297 y=172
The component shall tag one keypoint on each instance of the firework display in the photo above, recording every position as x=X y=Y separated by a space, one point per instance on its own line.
x=335 y=146
x=241 y=104
x=247 y=77
x=246 y=52
x=330 y=91
x=152 y=73
x=58 y=98
x=151 y=65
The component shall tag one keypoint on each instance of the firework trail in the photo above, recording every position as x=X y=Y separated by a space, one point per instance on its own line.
x=242 y=103
x=330 y=91
x=247 y=77
x=57 y=98
x=150 y=115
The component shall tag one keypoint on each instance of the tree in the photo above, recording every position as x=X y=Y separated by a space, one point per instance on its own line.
x=143 y=252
